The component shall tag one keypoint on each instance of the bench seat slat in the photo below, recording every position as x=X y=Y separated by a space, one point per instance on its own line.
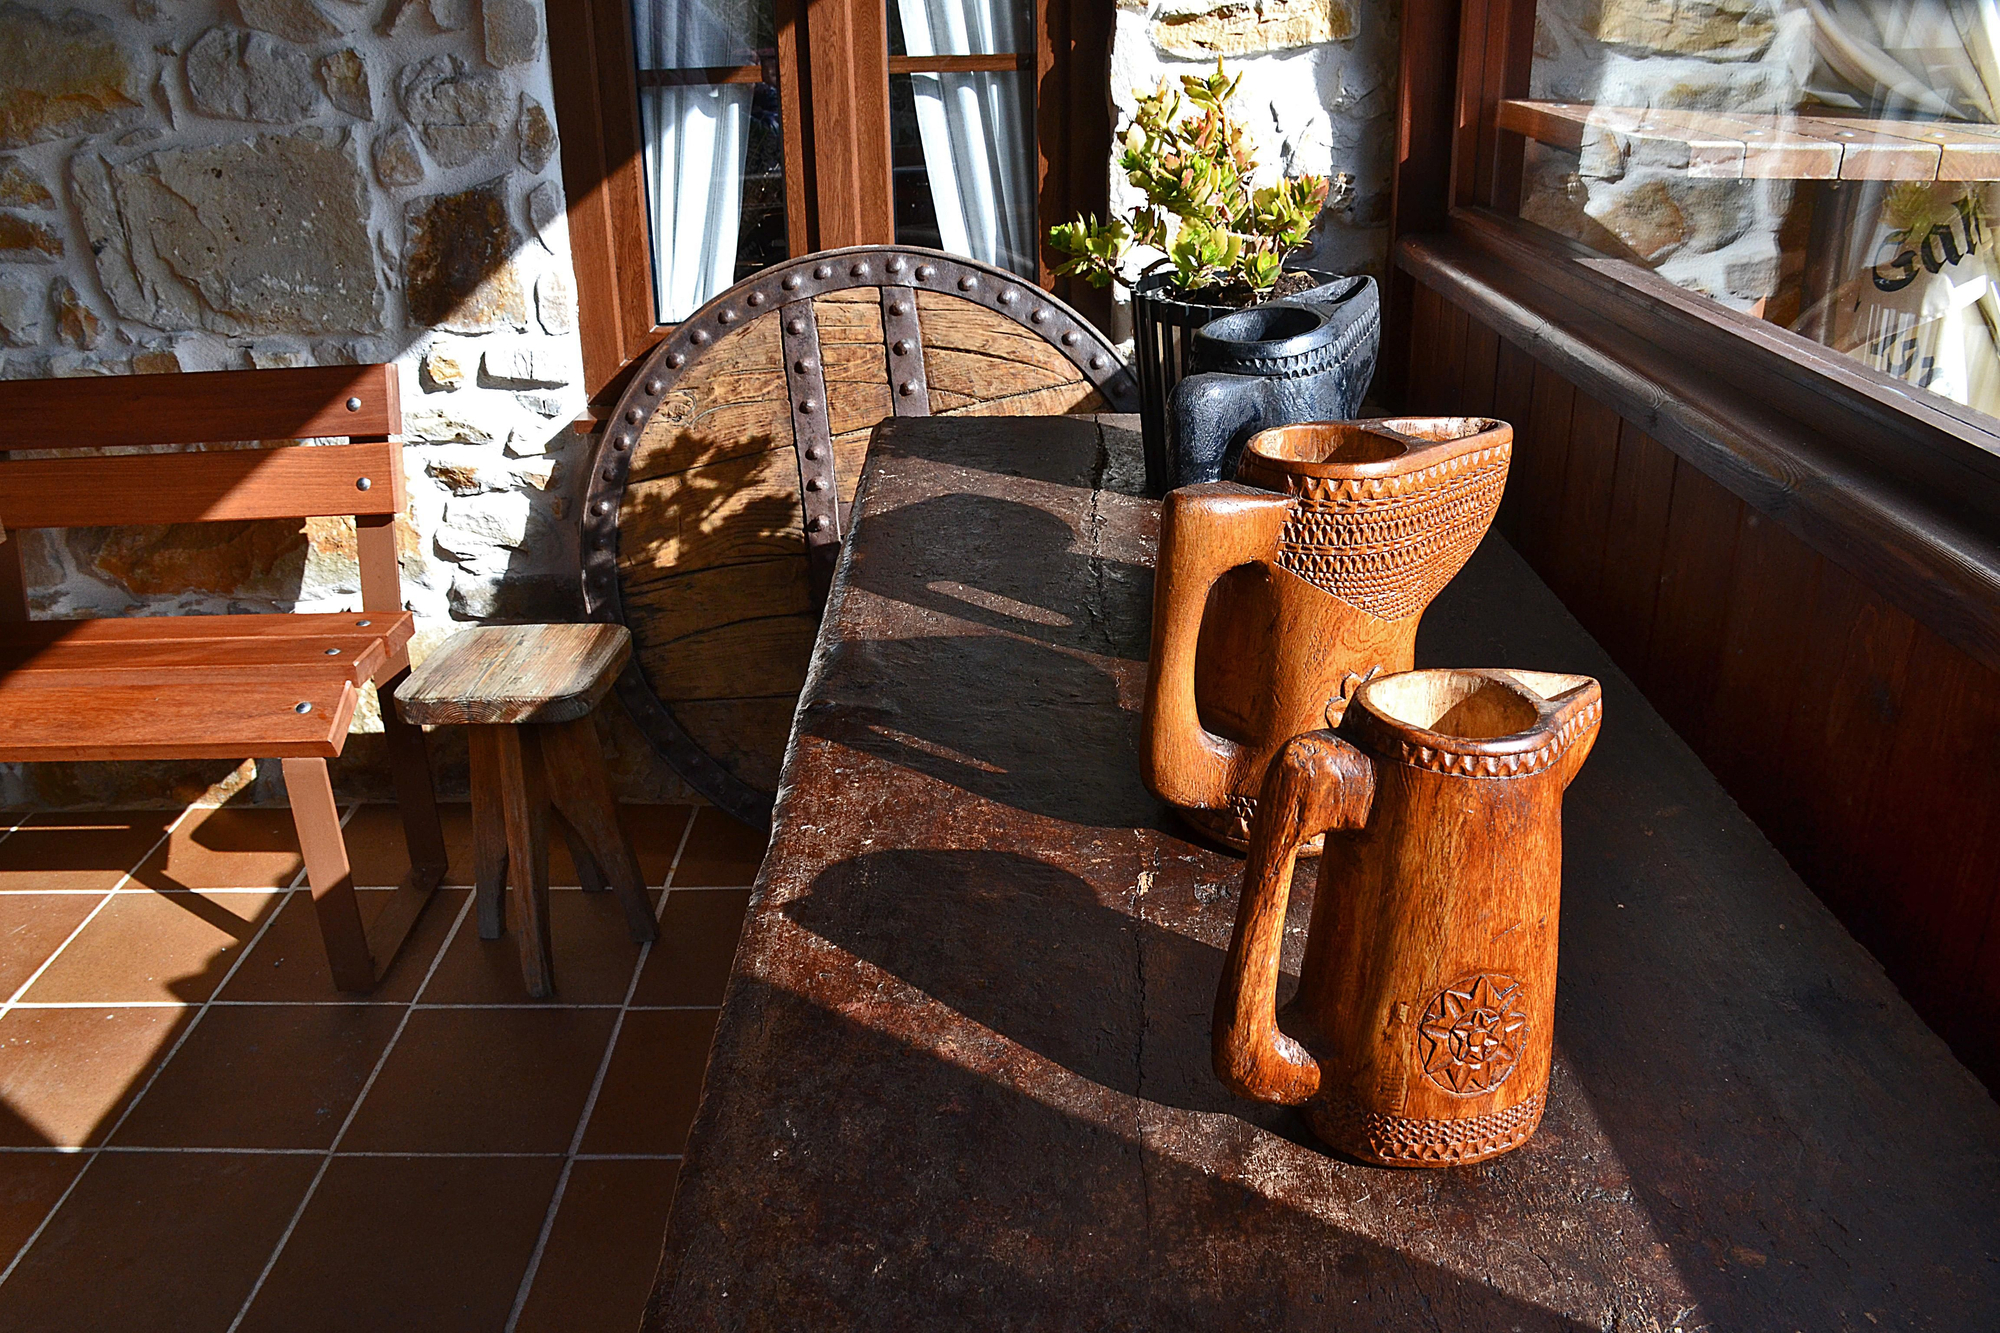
x=42 y=722
x=352 y=657
x=395 y=626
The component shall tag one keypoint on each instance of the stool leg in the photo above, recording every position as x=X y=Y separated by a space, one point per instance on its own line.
x=324 y=847
x=489 y=831
x=416 y=794
x=524 y=791
x=582 y=791
x=589 y=875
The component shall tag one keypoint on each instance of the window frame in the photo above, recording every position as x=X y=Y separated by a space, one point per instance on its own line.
x=1898 y=485
x=838 y=183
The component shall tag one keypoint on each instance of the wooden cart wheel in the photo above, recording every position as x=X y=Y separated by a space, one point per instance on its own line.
x=720 y=487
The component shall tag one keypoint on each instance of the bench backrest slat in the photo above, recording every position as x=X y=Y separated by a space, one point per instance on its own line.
x=294 y=482
x=100 y=411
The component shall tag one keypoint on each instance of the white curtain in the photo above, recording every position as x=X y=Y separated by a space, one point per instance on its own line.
x=977 y=141
x=696 y=139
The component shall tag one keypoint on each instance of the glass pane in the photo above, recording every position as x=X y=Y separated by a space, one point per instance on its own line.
x=711 y=145
x=963 y=141
x=1827 y=165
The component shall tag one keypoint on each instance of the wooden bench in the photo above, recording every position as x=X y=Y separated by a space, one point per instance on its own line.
x=226 y=686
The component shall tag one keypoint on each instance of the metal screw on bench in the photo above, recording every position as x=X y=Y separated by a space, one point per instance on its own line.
x=354 y=404
x=362 y=483
x=302 y=706
x=333 y=652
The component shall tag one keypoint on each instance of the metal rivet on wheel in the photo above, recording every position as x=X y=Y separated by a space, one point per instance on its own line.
x=906 y=388
x=895 y=265
x=1009 y=296
x=795 y=325
x=812 y=454
x=726 y=317
x=823 y=272
x=815 y=484
x=302 y=706
x=1038 y=316
x=699 y=338
x=653 y=387
x=803 y=365
x=755 y=298
x=902 y=347
x=818 y=524
x=1097 y=362
x=809 y=405
x=601 y=507
x=675 y=360
x=611 y=473
x=362 y=483
x=621 y=442
x=1069 y=338
x=858 y=271
x=899 y=308
x=354 y=404
x=926 y=271
x=791 y=282
x=634 y=415
x=967 y=283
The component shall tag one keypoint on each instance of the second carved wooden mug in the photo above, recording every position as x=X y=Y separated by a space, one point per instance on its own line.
x=1421 y=1031
x=1272 y=601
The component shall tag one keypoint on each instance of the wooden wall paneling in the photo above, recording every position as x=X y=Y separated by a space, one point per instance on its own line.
x=1835 y=832
x=801 y=191
x=1476 y=378
x=1576 y=561
x=1762 y=668
x=1474 y=17
x=1513 y=402
x=1426 y=320
x=1938 y=802
x=1420 y=187
x=1541 y=452
x=1451 y=359
x=1642 y=488
x=1695 y=566
x=1073 y=133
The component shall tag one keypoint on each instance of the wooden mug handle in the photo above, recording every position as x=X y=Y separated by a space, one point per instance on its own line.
x=1318 y=782
x=1205 y=531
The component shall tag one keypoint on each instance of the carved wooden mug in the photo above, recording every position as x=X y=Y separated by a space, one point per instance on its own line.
x=1421 y=1031
x=1268 y=609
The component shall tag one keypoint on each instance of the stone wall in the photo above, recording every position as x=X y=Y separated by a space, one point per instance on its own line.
x=192 y=185
x=1319 y=97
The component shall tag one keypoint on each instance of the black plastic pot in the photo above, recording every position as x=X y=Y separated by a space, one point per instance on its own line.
x=1308 y=357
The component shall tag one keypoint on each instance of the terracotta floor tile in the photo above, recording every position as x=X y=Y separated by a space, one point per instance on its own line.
x=154 y=946
x=157 y=1241
x=653 y=1085
x=698 y=933
x=375 y=844
x=720 y=851
x=289 y=963
x=263 y=1077
x=31 y=926
x=594 y=957
x=30 y=1184
x=79 y=851
x=230 y=847
x=604 y=1251
x=437 y=1244
x=483 y=1080
x=655 y=831
x=64 y=1073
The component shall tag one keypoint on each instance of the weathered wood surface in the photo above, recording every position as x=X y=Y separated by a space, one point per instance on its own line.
x=961 y=1078
x=516 y=673
x=301 y=403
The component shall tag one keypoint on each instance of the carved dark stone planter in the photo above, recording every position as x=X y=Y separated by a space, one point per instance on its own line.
x=1308 y=357
x=1163 y=328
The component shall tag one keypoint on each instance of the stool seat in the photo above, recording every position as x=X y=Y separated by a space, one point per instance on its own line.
x=525 y=693
x=534 y=674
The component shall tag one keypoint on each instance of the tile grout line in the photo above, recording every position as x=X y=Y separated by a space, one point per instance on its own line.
x=212 y=1150
x=354 y=1110
x=89 y=1154
x=534 y=1267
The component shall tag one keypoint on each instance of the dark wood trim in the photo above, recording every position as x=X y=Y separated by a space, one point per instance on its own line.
x=700 y=76
x=1908 y=506
x=1073 y=127
x=1420 y=189
x=848 y=59
x=981 y=64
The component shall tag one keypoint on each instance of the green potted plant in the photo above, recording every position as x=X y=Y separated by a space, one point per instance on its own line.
x=1223 y=239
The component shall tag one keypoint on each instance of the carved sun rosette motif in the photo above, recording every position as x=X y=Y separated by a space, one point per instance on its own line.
x=1472 y=1032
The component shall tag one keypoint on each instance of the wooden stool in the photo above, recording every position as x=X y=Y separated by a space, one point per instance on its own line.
x=527 y=692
